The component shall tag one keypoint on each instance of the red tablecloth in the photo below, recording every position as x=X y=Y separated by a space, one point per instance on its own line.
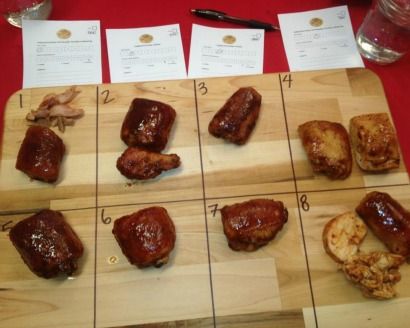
x=130 y=13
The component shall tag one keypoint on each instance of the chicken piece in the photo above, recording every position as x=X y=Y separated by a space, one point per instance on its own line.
x=147 y=124
x=388 y=220
x=374 y=273
x=141 y=164
x=236 y=119
x=374 y=142
x=343 y=235
x=252 y=224
x=327 y=147
x=146 y=237
x=40 y=154
x=47 y=244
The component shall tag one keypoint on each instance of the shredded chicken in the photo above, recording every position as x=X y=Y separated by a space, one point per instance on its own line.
x=55 y=110
x=375 y=273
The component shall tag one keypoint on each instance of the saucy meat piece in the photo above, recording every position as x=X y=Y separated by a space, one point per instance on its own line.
x=327 y=147
x=146 y=237
x=388 y=220
x=137 y=163
x=147 y=124
x=236 y=119
x=47 y=244
x=40 y=154
x=252 y=224
x=374 y=142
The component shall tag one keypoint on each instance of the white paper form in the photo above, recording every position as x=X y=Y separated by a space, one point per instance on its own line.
x=61 y=53
x=146 y=54
x=319 y=39
x=225 y=52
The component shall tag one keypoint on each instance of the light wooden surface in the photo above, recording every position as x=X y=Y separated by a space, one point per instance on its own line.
x=289 y=283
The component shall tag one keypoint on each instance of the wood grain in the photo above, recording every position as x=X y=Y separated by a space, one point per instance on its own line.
x=291 y=282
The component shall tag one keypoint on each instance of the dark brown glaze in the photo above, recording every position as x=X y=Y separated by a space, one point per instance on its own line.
x=40 y=154
x=146 y=237
x=237 y=118
x=252 y=224
x=148 y=124
x=141 y=164
x=388 y=220
x=47 y=244
x=327 y=146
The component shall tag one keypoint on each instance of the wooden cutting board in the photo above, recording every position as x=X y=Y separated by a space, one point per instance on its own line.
x=291 y=282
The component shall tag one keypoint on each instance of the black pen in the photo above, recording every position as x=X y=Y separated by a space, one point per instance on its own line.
x=219 y=15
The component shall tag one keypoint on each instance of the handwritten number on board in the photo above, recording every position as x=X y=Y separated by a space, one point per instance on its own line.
x=202 y=88
x=6 y=226
x=304 y=202
x=107 y=98
x=105 y=220
x=288 y=78
x=21 y=100
x=214 y=209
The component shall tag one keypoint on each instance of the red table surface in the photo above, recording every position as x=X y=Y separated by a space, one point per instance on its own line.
x=129 y=14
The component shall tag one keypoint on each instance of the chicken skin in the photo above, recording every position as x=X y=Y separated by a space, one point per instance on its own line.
x=146 y=237
x=252 y=224
x=235 y=121
x=47 y=244
x=147 y=124
x=40 y=154
x=140 y=164
x=374 y=142
x=327 y=146
x=388 y=220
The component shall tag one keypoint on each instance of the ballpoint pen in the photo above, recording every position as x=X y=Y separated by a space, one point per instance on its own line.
x=219 y=15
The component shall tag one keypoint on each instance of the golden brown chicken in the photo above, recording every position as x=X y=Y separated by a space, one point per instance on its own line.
x=40 y=154
x=47 y=244
x=235 y=121
x=141 y=164
x=252 y=224
x=327 y=147
x=146 y=237
x=375 y=273
x=374 y=142
x=147 y=124
x=388 y=220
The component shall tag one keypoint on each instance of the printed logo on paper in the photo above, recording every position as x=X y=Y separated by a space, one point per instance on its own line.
x=229 y=39
x=146 y=38
x=316 y=22
x=63 y=34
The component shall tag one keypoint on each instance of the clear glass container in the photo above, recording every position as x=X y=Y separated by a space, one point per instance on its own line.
x=16 y=10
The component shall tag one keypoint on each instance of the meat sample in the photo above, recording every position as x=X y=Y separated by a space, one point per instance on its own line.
x=388 y=220
x=40 y=154
x=141 y=164
x=375 y=273
x=148 y=124
x=236 y=119
x=327 y=147
x=374 y=142
x=252 y=224
x=146 y=237
x=47 y=244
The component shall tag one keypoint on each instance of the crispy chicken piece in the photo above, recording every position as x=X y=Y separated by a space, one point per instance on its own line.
x=146 y=237
x=327 y=147
x=47 y=244
x=252 y=224
x=374 y=142
x=388 y=220
x=236 y=119
x=40 y=154
x=375 y=273
x=147 y=124
x=343 y=235
x=141 y=164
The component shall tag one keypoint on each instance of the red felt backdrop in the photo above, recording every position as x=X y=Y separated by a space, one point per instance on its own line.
x=129 y=13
